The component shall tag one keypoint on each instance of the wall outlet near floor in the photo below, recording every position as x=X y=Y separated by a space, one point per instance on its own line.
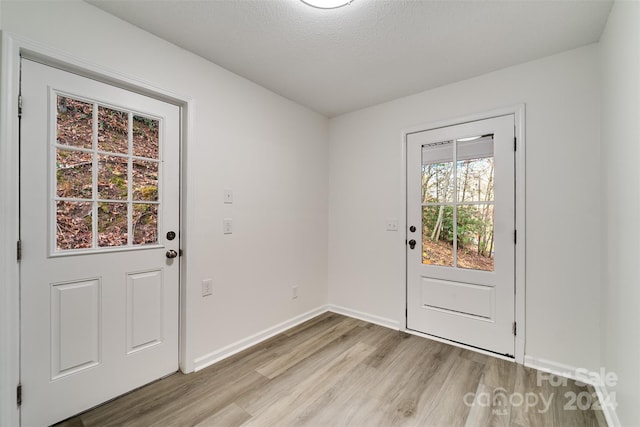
x=207 y=287
x=294 y=292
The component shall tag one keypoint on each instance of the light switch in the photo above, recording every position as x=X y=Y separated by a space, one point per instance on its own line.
x=228 y=196
x=227 y=226
x=207 y=287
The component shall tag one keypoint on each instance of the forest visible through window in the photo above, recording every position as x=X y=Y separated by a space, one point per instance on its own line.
x=106 y=182
x=458 y=204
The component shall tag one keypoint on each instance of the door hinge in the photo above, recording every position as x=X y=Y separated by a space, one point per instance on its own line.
x=19 y=250
x=19 y=394
x=514 y=329
x=19 y=105
x=515 y=143
x=515 y=237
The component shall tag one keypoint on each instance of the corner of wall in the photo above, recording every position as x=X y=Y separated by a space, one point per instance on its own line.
x=620 y=130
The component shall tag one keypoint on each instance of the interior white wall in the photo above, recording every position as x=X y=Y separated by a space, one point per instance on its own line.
x=270 y=151
x=563 y=247
x=273 y=154
x=620 y=46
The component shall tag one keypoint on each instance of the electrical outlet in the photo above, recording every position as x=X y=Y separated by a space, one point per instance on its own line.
x=392 y=224
x=294 y=292
x=207 y=287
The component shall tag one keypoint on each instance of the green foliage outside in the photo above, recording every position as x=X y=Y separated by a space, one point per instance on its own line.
x=472 y=182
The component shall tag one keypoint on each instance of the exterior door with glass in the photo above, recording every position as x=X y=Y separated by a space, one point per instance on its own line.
x=460 y=236
x=99 y=220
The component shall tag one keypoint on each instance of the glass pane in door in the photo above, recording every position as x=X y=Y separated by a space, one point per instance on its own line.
x=437 y=172
x=475 y=169
x=73 y=225
x=112 y=224
x=458 y=203
x=113 y=130
x=112 y=177
x=146 y=141
x=475 y=237
x=107 y=183
x=74 y=172
x=475 y=198
x=437 y=235
x=74 y=122
x=145 y=180
x=145 y=224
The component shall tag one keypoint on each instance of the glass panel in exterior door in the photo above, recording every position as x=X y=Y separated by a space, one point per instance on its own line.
x=474 y=199
x=112 y=177
x=113 y=130
x=146 y=144
x=74 y=123
x=436 y=222
x=74 y=225
x=112 y=224
x=476 y=245
x=457 y=203
x=145 y=180
x=437 y=173
x=475 y=169
x=107 y=177
x=146 y=138
x=145 y=224
x=437 y=208
x=74 y=171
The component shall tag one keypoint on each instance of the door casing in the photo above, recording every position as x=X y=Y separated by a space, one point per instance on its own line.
x=12 y=49
x=519 y=112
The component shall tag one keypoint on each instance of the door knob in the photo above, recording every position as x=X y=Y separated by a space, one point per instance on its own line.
x=412 y=243
x=171 y=254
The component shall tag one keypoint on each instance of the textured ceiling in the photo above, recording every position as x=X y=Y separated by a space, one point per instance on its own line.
x=340 y=60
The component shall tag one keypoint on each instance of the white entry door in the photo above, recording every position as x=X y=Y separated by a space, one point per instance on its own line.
x=460 y=233
x=99 y=216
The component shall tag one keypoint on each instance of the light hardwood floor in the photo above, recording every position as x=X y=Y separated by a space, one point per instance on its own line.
x=338 y=371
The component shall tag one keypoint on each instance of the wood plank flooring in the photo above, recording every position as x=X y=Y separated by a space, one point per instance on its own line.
x=338 y=371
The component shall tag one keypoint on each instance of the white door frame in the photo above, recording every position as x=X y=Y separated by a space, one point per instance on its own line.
x=519 y=113
x=12 y=48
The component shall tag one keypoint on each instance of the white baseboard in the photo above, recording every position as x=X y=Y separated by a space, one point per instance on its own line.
x=218 y=355
x=382 y=321
x=606 y=400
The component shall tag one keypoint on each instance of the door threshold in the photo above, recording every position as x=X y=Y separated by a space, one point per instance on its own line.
x=507 y=357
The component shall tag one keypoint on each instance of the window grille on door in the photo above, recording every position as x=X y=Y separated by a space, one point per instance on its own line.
x=107 y=169
x=458 y=203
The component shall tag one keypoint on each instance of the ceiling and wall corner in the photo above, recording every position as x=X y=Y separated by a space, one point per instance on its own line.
x=371 y=51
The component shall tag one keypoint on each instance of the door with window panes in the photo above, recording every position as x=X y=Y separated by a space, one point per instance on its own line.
x=460 y=233
x=99 y=271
